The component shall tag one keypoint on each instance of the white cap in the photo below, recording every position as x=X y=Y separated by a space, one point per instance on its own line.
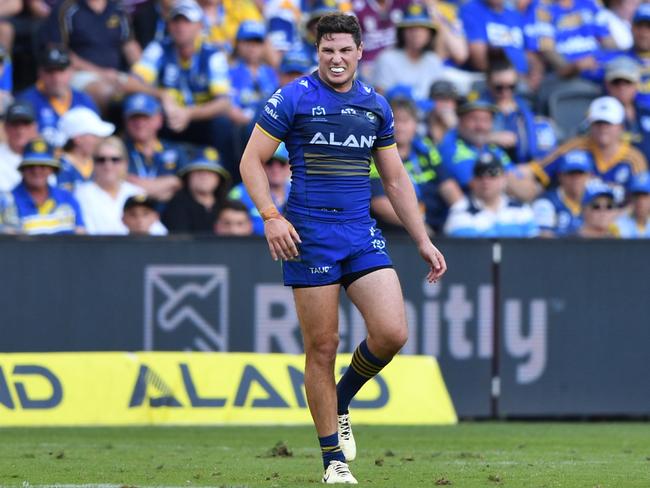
x=186 y=8
x=82 y=120
x=606 y=109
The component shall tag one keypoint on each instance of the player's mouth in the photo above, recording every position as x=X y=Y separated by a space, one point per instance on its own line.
x=337 y=70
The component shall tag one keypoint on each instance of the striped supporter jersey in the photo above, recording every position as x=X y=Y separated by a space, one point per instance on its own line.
x=330 y=137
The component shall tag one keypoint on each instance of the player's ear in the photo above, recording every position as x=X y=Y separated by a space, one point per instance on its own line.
x=360 y=52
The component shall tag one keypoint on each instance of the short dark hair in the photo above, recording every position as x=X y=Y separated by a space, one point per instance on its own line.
x=497 y=61
x=406 y=104
x=338 y=23
x=236 y=205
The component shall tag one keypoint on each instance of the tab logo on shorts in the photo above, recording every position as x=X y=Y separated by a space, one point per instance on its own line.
x=320 y=270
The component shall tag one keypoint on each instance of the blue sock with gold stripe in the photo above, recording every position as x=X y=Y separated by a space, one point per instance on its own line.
x=330 y=449
x=364 y=366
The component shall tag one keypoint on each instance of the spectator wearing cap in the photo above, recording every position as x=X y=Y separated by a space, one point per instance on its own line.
x=434 y=189
x=252 y=80
x=461 y=147
x=615 y=161
x=413 y=61
x=102 y=199
x=52 y=95
x=205 y=185
x=20 y=128
x=640 y=50
x=278 y=173
x=140 y=216
x=36 y=207
x=558 y=212
x=635 y=223
x=442 y=117
x=598 y=213
x=233 y=220
x=190 y=76
x=82 y=130
x=487 y=211
x=101 y=43
x=622 y=77
x=294 y=64
x=515 y=127
x=153 y=162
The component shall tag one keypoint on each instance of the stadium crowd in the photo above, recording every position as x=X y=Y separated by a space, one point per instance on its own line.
x=513 y=119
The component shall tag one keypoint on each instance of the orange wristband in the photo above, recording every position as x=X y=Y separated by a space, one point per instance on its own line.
x=270 y=213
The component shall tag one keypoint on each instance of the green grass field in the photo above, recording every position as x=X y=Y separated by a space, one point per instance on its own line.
x=537 y=455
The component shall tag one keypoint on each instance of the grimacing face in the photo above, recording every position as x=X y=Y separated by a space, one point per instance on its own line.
x=338 y=58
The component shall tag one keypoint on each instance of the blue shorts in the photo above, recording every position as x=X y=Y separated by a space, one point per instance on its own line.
x=333 y=252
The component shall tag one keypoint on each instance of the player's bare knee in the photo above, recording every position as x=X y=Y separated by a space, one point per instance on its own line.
x=323 y=350
x=392 y=341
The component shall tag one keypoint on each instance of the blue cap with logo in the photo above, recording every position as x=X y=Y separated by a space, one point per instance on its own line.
x=576 y=162
x=296 y=62
x=474 y=101
x=642 y=13
x=250 y=30
x=416 y=15
x=205 y=159
x=38 y=152
x=595 y=190
x=141 y=104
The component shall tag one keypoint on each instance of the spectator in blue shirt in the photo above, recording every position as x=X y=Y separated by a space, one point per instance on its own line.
x=462 y=146
x=559 y=211
x=190 y=76
x=252 y=81
x=153 y=162
x=515 y=128
x=487 y=211
x=6 y=80
x=52 y=96
x=636 y=222
x=36 y=207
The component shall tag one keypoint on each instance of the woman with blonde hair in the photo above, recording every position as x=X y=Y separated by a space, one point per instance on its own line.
x=102 y=199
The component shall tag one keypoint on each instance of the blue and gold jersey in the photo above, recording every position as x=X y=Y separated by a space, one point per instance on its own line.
x=330 y=137
x=556 y=213
x=618 y=171
x=59 y=214
x=191 y=82
x=166 y=160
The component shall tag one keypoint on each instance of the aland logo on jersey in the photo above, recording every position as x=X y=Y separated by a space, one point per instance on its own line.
x=331 y=139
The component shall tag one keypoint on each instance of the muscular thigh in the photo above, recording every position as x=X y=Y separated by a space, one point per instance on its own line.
x=378 y=296
x=318 y=309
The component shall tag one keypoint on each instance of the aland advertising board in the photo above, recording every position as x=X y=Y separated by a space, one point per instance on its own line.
x=175 y=388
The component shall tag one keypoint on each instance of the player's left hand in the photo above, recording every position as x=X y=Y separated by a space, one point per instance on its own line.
x=434 y=259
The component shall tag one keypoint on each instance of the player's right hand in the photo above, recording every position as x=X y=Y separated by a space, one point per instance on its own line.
x=282 y=238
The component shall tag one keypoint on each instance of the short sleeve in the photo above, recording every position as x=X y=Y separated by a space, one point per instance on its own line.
x=277 y=115
x=386 y=130
x=149 y=64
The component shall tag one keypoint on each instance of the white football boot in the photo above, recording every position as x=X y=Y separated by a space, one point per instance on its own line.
x=338 y=472
x=346 y=438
